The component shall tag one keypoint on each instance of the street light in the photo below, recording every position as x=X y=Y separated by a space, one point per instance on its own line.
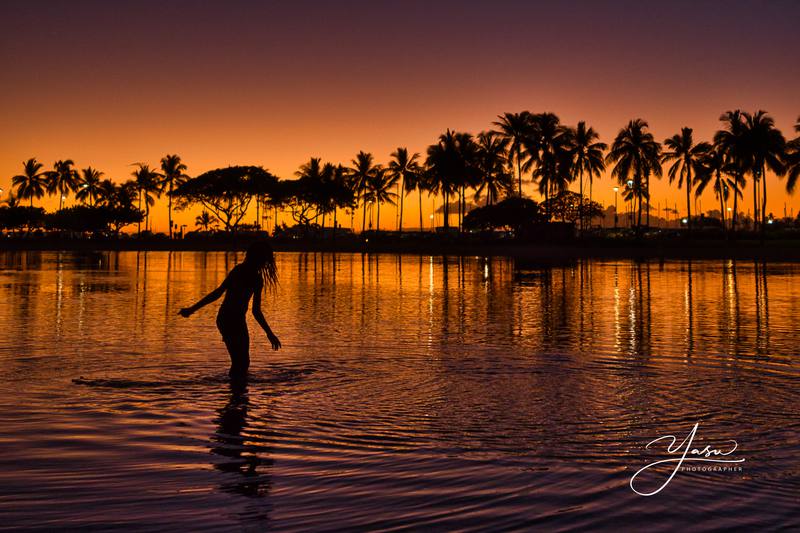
x=616 y=217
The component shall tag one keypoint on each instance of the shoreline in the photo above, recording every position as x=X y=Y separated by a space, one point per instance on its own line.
x=771 y=250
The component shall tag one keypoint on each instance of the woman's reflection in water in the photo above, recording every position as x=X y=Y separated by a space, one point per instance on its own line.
x=237 y=455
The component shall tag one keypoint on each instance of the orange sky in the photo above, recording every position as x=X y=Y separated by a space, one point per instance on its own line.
x=231 y=83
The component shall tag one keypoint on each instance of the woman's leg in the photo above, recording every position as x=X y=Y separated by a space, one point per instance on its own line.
x=237 y=341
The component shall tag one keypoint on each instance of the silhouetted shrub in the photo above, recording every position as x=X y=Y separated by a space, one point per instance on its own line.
x=84 y=218
x=21 y=217
x=512 y=213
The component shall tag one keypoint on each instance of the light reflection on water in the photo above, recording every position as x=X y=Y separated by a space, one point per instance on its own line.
x=411 y=392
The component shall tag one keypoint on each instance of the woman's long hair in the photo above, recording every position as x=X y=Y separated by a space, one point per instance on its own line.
x=260 y=255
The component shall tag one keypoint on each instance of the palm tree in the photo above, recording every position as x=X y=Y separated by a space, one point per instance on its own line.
x=636 y=156
x=107 y=193
x=731 y=140
x=148 y=188
x=403 y=168
x=766 y=145
x=793 y=160
x=315 y=173
x=90 y=188
x=173 y=174
x=491 y=160
x=205 y=220
x=451 y=167
x=11 y=200
x=417 y=182
x=715 y=168
x=362 y=171
x=687 y=158
x=338 y=191
x=516 y=128
x=588 y=157
x=62 y=179
x=380 y=190
x=31 y=183
x=548 y=148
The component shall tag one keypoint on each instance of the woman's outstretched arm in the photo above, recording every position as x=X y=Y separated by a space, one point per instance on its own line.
x=259 y=316
x=207 y=299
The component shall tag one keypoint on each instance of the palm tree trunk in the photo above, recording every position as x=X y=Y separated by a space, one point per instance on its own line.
x=421 y=225
x=169 y=207
x=378 y=221
x=139 y=224
x=639 y=217
x=688 y=208
x=755 y=200
x=722 y=208
x=402 y=194
x=763 y=200
x=460 y=207
x=446 y=210
x=364 y=216
x=519 y=173
x=647 y=190
x=580 y=204
x=546 y=203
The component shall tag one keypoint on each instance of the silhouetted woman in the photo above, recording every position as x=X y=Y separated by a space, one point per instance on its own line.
x=245 y=280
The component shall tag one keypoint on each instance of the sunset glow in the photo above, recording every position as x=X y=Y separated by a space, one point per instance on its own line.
x=237 y=83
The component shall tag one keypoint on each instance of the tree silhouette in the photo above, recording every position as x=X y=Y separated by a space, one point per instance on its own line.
x=62 y=180
x=588 y=157
x=205 y=220
x=362 y=171
x=173 y=175
x=226 y=192
x=686 y=158
x=90 y=186
x=380 y=190
x=516 y=128
x=405 y=169
x=12 y=200
x=714 y=168
x=766 y=146
x=451 y=167
x=636 y=156
x=495 y=180
x=311 y=174
x=108 y=193
x=337 y=191
x=793 y=160
x=31 y=183
x=148 y=188
x=732 y=142
x=548 y=149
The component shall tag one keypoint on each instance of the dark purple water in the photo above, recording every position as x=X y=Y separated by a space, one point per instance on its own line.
x=412 y=392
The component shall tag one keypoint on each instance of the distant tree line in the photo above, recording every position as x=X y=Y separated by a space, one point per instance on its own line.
x=459 y=168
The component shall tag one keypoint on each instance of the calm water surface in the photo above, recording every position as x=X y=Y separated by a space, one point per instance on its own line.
x=412 y=392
